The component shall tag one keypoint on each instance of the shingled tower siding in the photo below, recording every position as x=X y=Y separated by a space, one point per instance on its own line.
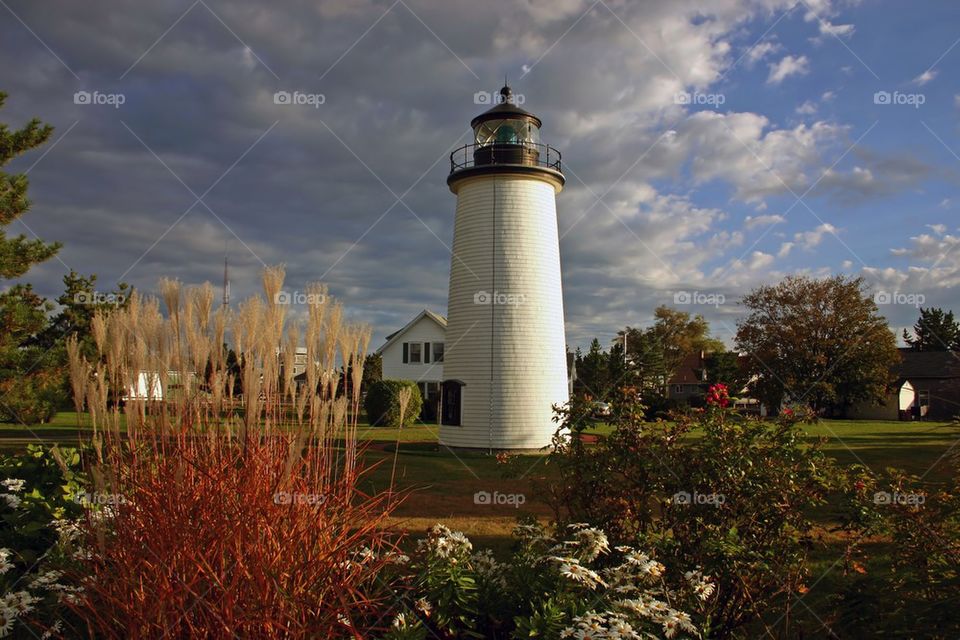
x=505 y=333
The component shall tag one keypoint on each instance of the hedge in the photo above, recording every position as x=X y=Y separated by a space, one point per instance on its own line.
x=382 y=403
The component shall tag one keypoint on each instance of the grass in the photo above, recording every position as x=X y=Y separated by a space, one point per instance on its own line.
x=443 y=483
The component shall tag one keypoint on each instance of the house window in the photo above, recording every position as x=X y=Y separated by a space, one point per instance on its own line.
x=438 y=352
x=415 y=348
x=678 y=388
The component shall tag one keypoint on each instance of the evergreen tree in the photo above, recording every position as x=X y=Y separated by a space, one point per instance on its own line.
x=593 y=372
x=30 y=380
x=935 y=330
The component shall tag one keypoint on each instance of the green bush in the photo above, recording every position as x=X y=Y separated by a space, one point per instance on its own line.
x=32 y=399
x=734 y=501
x=41 y=494
x=382 y=403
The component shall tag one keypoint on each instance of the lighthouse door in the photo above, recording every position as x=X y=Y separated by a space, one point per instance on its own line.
x=450 y=411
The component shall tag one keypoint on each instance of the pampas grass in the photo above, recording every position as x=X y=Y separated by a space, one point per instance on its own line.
x=200 y=546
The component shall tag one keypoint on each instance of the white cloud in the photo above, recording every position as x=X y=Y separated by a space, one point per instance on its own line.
x=828 y=28
x=759 y=260
x=760 y=51
x=784 y=249
x=938 y=229
x=751 y=222
x=810 y=239
x=741 y=149
x=846 y=264
x=788 y=66
x=925 y=77
x=807 y=108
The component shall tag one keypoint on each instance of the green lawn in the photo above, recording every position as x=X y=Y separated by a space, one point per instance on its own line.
x=442 y=483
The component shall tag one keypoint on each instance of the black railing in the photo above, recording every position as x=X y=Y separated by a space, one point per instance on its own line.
x=531 y=154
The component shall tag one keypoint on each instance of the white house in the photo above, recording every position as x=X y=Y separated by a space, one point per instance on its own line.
x=415 y=352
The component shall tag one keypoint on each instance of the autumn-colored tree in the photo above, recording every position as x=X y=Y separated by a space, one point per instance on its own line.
x=681 y=335
x=817 y=341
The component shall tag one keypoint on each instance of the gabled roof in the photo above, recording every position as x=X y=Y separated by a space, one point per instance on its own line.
x=436 y=317
x=690 y=370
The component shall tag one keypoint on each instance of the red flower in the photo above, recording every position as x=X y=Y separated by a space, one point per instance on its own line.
x=717 y=395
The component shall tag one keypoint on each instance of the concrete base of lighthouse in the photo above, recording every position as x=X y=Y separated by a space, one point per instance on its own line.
x=505 y=341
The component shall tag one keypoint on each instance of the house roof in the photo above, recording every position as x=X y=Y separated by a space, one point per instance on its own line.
x=690 y=370
x=928 y=364
x=436 y=317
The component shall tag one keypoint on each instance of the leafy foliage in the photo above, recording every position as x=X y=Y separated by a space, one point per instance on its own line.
x=820 y=342
x=393 y=403
x=31 y=377
x=916 y=594
x=733 y=501
x=40 y=498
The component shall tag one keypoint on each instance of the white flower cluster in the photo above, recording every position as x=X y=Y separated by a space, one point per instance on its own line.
x=444 y=543
x=13 y=485
x=488 y=568
x=661 y=613
x=14 y=604
x=631 y=595
x=702 y=587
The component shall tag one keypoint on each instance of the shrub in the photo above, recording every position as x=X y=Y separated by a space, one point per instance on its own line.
x=385 y=406
x=574 y=587
x=733 y=501
x=913 y=591
x=32 y=399
x=38 y=496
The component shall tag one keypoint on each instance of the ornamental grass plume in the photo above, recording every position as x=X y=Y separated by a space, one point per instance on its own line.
x=241 y=512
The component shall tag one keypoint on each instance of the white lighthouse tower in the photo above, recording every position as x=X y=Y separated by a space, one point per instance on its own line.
x=505 y=362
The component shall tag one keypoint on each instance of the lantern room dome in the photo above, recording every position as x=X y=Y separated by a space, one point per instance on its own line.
x=506 y=107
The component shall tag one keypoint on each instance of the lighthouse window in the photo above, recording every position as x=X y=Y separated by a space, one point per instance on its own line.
x=509 y=131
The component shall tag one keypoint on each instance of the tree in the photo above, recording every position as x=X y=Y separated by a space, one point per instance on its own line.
x=680 y=335
x=645 y=359
x=935 y=330
x=79 y=303
x=372 y=371
x=593 y=372
x=817 y=341
x=29 y=379
x=725 y=367
x=18 y=254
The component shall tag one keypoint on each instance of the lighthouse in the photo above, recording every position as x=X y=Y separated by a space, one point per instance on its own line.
x=505 y=363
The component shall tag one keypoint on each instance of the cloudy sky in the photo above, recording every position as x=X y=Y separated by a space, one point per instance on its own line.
x=709 y=146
